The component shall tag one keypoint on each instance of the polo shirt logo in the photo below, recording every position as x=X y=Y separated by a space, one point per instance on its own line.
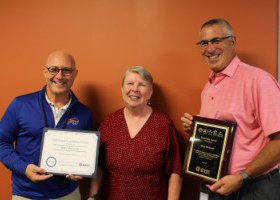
x=73 y=121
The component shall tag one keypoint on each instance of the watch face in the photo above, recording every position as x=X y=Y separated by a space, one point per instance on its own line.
x=245 y=176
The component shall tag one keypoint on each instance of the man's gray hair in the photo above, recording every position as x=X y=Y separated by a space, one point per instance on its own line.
x=145 y=74
x=227 y=27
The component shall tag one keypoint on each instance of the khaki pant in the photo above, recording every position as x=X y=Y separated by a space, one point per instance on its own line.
x=75 y=195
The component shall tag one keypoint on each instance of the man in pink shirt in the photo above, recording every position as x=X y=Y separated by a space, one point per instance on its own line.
x=250 y=97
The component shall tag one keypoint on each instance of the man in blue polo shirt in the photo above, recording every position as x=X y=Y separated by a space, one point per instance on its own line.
x=55 y=106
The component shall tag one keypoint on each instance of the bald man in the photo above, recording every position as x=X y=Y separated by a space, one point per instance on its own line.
x=55 y=106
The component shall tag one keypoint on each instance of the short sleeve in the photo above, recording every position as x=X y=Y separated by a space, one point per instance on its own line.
x=267 y=103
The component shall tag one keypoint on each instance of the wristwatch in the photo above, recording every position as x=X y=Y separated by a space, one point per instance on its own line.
x=245 y=176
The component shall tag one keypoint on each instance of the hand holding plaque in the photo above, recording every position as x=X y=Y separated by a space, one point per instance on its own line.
x=209 y=148
x=65 y=151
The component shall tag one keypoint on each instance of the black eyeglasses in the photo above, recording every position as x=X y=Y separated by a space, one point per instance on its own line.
x=213 y=41
x=55 y=70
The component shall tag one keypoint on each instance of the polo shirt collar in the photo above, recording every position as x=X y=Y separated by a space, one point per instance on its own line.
x=63 y=107
x=228 y=71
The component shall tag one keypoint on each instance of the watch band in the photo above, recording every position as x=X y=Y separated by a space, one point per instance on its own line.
x=245 y=176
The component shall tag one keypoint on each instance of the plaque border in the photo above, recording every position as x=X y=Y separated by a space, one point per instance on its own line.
x=230 y=128
x=98 y=135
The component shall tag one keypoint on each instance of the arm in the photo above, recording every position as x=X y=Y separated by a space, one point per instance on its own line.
x=96 y=183
x=9 y=130
x=266 y=94
x=10 y=158
x=8 y=134
x=174 y=186
x=268 y=157
x=174 y=164
x=14 y=162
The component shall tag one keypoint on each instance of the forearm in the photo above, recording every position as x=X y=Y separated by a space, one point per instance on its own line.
x=96 y=183
x=10 y=158
x=268 y=157
x=174 y=186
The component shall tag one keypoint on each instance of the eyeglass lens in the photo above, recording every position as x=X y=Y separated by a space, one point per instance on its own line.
x=55 y=70
x=204 y=43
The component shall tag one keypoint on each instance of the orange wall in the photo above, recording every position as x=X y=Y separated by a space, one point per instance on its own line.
x=107 y=36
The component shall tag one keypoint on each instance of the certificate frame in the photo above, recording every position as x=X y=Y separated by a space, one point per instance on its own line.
x=69 y=151
x=209 y=149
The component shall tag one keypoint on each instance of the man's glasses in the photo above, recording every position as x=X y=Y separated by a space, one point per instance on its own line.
x=55 y=70
x=213 y=41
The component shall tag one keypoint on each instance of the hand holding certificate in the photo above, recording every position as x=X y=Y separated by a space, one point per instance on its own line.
x=65 y=151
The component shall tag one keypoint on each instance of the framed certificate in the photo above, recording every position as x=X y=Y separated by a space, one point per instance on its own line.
x=208 y=152
x=65 y=151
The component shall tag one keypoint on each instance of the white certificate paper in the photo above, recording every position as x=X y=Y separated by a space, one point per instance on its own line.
x=65 y=151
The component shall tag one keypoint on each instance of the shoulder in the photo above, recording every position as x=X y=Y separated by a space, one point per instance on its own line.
x=115 y=119
x=26 y=98
x=116 y=115
x=79 y=105
x=159 y=116
x=22 y=103
x=255 y=76
x=252 y=72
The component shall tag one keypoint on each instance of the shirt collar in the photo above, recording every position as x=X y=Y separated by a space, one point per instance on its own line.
x=228 y=71
x=63 y=107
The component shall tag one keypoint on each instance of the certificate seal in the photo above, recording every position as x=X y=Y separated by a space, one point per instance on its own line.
x=51 y=161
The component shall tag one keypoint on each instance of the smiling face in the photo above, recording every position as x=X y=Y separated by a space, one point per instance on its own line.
x=217 y=56
x=59 y=84
x=136 y=91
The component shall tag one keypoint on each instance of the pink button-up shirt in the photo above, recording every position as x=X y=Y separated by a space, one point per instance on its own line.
x=250 y=97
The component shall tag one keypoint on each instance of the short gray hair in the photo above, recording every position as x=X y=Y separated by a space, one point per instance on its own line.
x=145 y=74
x=227 y=27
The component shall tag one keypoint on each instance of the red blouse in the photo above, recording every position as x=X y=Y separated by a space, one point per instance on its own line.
x=139 y=167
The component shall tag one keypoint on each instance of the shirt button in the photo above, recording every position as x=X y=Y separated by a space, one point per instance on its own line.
x=216 y=86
